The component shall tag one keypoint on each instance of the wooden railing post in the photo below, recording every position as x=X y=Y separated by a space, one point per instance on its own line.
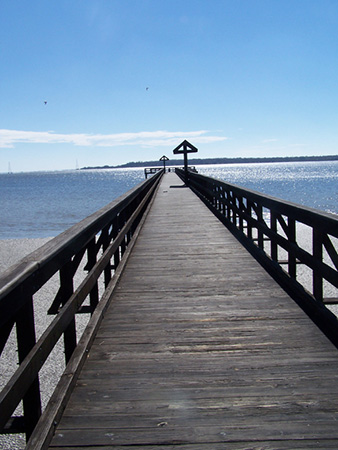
x=228 y=209
x=317 y=244
x=67 y=289
x=122 y=221
x=26 y=340
x=232 y=215
x=249 y=212
x=292 y=240
x=274 y=246
x=222 y=205
x=105 y=244
x=92 y=258
x=241 y=220
x=129 y=211
x=260 y=236
x=116 y=228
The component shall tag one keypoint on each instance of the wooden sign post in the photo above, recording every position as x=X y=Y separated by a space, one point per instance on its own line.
x=164 y=159
x=185 y=147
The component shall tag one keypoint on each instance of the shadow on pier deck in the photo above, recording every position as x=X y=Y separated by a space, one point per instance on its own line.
x=201 y=349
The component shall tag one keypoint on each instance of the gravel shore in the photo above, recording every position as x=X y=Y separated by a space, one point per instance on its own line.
x=12 y=250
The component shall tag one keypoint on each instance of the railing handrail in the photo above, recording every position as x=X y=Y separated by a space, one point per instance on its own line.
x=309 y=216
x=69 y=241
x=110 y=229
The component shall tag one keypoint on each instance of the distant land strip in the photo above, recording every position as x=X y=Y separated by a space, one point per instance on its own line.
x=205 y=161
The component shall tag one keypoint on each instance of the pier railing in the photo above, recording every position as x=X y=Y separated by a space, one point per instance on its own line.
x=95 y=245
x=278 y=233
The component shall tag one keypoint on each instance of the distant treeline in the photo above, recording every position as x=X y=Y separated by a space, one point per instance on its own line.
x=200 y=161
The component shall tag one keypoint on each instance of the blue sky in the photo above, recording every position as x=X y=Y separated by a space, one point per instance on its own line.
x=129 y=80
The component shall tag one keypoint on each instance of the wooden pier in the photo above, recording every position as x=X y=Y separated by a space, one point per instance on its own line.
x=201 y=334
x=201 y=349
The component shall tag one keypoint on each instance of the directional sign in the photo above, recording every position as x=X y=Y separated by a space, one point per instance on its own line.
x=185 y=147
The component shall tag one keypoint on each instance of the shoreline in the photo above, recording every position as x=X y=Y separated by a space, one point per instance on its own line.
x=209 y=161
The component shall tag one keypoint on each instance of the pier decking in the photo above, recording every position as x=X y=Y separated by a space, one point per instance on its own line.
x=201 y=349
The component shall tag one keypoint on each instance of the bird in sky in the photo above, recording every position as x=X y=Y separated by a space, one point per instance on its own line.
x=45 y=102
x=147 y=88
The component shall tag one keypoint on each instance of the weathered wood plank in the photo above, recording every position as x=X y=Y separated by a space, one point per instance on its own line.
x=242 y=431
x=200 y=348
x=266 y=445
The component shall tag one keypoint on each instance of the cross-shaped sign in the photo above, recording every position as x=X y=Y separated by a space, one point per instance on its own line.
x=164 y=159
x=185 y=147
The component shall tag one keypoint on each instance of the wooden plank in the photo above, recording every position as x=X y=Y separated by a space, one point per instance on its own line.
x=266 y=445
x=248 y=432
x=200 y=348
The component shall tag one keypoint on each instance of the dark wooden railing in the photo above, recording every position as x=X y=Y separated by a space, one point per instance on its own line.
x=151 y=171
x=273 y=231
x=98 y=243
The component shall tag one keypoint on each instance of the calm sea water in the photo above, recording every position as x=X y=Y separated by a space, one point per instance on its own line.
x=313 y=184
x=43 y=204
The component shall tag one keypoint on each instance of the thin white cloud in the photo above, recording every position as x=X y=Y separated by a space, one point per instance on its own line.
x=8 y=138
x=267 y=141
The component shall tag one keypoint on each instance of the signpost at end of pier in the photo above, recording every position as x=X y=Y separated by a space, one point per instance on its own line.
x=185 y=147
x=164 y=159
